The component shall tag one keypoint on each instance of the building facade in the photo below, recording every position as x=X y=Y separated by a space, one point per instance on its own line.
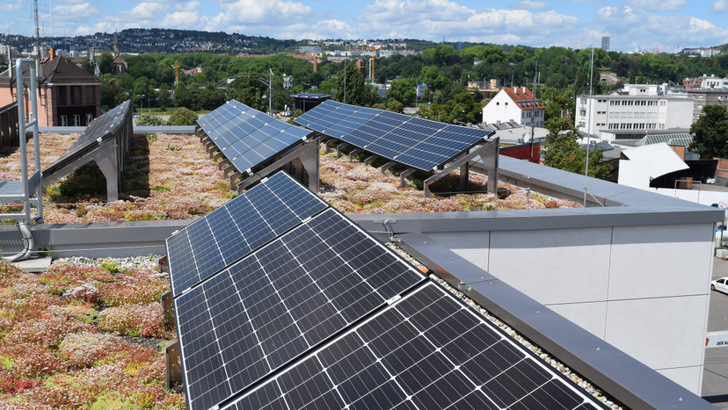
x=638 y=107
x=67 y=95
x=516 y=104
x=702 y=97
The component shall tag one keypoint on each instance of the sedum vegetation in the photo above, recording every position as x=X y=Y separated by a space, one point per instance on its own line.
x=83 y=337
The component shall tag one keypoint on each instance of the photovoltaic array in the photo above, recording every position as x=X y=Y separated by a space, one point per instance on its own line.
x=427 y=351
x=237 y=228
x=282 y=302
x=415 y=142
x=100 y=130
x=248 y=137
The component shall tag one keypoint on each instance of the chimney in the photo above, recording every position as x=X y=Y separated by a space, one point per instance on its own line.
x=52 y=53
x=515 y=90
x=524 y=90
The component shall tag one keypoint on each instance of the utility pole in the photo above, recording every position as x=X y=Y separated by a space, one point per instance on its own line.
x=270 y=92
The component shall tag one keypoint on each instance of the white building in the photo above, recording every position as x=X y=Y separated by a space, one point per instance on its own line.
x=515 y=104
x=637 y=107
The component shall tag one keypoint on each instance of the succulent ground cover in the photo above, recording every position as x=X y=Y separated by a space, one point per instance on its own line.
x=167 y=177
x=172 y=177
x=355 y=188
x=83 y=337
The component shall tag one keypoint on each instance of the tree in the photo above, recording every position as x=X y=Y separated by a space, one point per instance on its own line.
x=404 y=91
x=564 y=152
x=247 y=91
x=350 y=85
x=106 y=63
x=182 y=116
x=711 y=133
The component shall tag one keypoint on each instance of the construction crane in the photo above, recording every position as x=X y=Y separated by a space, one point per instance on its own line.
x=371 y=68
x=176 y=72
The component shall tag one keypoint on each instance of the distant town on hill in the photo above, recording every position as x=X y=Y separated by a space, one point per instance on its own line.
x=158 y=40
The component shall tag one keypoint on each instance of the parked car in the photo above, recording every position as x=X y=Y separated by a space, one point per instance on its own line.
x=720 y=284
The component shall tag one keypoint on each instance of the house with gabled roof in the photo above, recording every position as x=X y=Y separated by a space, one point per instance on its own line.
x=517 y=104
x=67 y=94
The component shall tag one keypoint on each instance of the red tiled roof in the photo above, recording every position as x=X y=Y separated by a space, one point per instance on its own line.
x=523 y=97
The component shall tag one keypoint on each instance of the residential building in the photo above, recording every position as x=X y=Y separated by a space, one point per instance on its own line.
x=707 y=96
x=516 y=104
x=705 y=82
x=700 y=51
x=636 y=107
x=67 y=95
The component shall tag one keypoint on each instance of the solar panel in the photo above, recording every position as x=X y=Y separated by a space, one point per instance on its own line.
x=101 y=128
x=427 y=350
x=281 y=301
x=415 y=142
x=248 y=137
x=308 y=118
x=237 y=228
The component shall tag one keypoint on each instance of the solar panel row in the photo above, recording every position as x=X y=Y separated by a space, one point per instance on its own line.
x=415 y=142
x=425 y=351
x=102 y=127
x=283 y=302
x=248 y=137
x=232 y=231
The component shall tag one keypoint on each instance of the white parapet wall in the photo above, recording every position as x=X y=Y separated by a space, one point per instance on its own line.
x=632 y=268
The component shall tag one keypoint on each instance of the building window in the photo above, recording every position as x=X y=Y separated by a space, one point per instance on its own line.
x=76 y=120
x=76 y=95
x=89 y=118
x=90 y=96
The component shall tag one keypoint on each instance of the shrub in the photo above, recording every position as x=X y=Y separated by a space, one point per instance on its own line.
x=182 y=116
x=148 y=119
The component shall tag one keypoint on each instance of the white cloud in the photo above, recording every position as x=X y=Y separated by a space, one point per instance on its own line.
x=659 y=5
x=99 y=27
x=12 y=7
x=435 y=19
x=143 y=11
x=261 y=11
x=74 y=12
x=637 y=28
x=720 y=6
x=529 y=5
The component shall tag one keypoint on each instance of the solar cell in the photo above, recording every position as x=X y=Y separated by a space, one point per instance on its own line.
x=235 y=229
x=427 y=350
x=281 y=301
x=248 y=137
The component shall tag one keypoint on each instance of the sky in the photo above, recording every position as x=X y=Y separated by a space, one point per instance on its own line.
x=648 y=25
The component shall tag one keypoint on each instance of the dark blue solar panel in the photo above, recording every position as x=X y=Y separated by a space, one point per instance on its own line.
x=426 y=351
x=415 y=142
x=311 y=116
x=240 y=226
x=281 y=301
x=236 y=129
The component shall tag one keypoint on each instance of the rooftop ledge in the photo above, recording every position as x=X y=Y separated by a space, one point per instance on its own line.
x=608 y=204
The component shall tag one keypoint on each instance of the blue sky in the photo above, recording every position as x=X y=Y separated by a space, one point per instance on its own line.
x=662 y=25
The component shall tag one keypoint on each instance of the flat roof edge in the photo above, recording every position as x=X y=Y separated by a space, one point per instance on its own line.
x=626 y=379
